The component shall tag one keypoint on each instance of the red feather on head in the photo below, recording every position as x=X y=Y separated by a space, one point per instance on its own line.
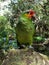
x=31 y=12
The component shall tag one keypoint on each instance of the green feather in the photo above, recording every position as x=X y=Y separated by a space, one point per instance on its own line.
x=25 y=30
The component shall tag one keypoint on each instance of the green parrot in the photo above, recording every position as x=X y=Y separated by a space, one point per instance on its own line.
x=25 y=28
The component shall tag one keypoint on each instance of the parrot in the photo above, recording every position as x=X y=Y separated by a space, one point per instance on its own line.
x=25 y=28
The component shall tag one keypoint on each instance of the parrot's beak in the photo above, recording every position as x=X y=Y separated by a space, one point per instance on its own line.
x=34 y=16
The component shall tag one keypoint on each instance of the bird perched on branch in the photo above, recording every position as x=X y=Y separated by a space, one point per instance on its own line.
x=25 y=28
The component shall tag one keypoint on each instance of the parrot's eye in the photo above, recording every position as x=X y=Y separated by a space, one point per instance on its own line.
x=27 y=12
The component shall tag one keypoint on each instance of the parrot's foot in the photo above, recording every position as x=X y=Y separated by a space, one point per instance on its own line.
x=31 y=47
x=22 y=47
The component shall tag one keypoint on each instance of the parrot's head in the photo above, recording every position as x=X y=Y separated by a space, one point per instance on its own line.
x=31 y=14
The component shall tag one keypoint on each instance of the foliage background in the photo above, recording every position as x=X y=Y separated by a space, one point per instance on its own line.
x=10 y=19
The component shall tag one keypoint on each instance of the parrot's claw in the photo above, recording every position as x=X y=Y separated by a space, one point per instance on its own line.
x=22 y=47
x=31 y=47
